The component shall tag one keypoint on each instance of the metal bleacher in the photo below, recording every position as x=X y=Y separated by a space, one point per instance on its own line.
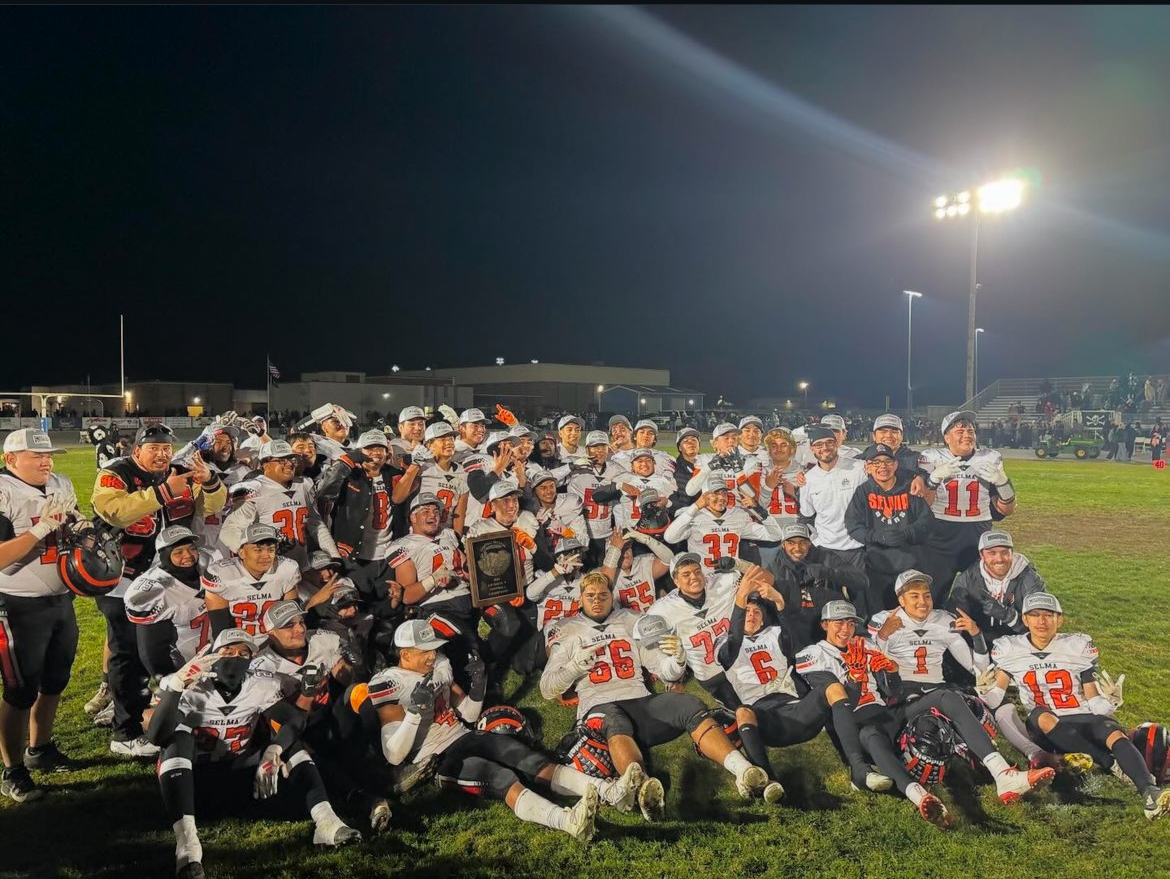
x=993 y=401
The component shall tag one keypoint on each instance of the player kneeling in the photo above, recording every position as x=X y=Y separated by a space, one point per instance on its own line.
x=1069 y=709
x=596 y=652
x=421 y=708
x=210 y=715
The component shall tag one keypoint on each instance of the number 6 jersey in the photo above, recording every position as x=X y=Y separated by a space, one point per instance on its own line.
x=1051 y=678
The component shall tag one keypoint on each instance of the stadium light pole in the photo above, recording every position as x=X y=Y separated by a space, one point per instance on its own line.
x=600 y=389
x=910 y=297
x=978 y=330
x=997 y=197
x=803 y=387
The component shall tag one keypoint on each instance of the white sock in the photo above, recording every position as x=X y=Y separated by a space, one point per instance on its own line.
x=323 y=813
x=736 y=763
x=188 y=848
x=915 y=793
x=531 y=806
x=995 y=763
x=1014 y=731
x=566 y=780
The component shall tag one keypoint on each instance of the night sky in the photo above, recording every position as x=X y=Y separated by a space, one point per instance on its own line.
x=738 y=194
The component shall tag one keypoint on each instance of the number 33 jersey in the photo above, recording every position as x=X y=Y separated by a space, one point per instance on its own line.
x=1051 y=678
x=247 y=596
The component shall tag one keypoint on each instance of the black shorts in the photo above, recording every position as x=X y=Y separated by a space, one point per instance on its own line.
x=650 y=720
x=1095 y=728
x=489 y=763
x=38 y=641
x=786 y=720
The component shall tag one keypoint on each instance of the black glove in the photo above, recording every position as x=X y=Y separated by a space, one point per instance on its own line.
x=476 y=677
x=312 y=679
x=758 y=513
x=1001 y=613
x=357 y=456
x=895 y=538
x=422 y=699
x=725 y=564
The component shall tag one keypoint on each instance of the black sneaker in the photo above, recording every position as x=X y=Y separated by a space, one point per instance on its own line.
x=48 y=758
x=18 y=785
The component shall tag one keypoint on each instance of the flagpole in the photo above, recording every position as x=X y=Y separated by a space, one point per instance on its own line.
x=268 y=384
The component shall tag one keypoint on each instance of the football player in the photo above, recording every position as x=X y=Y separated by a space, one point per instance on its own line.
x=499 y=461
x=238 y=591
x=621 y=434
x=440 y=475
x=842 y=657
x=558 y=516
x=917 y=637
x=569 y=429
x=38 y=627
x=967 y=488
x=216 y=714
x=727 y=463
x=422 y=712
x=646 y=437
x=597 y=654
x=633 y=575
x=412 y=425
x=1070 y=702
x=688 y=444
x=166 y=604
x=472 y=427
x=643 y=476
x=586 y=481
x=366 y=493
x=279 y=499
x=557 y=593
x=825 y=493
x=751 y=443
x=713 y=529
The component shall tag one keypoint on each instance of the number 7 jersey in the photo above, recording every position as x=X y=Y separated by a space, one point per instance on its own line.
x=701 y=629
x=1051 y=678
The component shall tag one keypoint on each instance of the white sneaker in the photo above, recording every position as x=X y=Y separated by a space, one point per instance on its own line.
x=99 y=700
x=876 y=782
x=773 y=793
x=139 y=747
x=582 y=817
x=623 y=793
x=105 y=717
x=334 y=832
x=751 y=782
x=1011 y=784
x=652 y=799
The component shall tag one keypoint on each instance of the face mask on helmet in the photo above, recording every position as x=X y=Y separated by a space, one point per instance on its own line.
x=927 y=743
x=230 y=671
x=587 y=751
x=506 y=720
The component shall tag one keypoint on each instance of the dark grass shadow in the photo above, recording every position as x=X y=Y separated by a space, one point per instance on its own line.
x=806 y=792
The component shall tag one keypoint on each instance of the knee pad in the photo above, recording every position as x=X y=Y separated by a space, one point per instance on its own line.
x=22 y=698
x=609 y=721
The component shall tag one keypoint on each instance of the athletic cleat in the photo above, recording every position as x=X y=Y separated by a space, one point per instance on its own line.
x=652 y=800
x=140 y=747
x=932 y=809
x=752 y=782
x=380 y=816
x=1012 y=784
x=1073 y=764
x=48 y=758
x=414 y=774
x=334 y=832
x=193 y=870
x=582 y=817
x=623 y=793
x=873 y=781
x=1157 y=803
x=105 y=717
x=17 y=784
x=99 y=700
x=773 y=793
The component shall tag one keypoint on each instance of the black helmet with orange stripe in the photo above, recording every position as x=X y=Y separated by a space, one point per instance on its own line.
x=89 y=560
x=927 y=744
x=506 y=720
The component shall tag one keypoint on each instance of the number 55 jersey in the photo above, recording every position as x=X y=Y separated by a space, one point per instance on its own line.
x=1051 y=678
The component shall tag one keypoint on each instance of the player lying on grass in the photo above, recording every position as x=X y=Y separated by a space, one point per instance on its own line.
x=1070 y=702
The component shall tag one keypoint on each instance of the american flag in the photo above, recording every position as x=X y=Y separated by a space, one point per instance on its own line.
x=272 y=370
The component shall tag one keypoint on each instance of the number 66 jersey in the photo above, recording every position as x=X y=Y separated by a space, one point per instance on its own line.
x=1051 y=678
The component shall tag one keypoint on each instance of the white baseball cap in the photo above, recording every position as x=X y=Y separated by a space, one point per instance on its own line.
x=955 y=417
x=503 y=488
x=912 y=576
x=570 y=419
x=887 y=420
x=472 y=416
x=646 y=422
x=29 y=439
x=836 y=422
x=721 y=429
x=684 y=558
x=438 y=430
x=417 y=634
x=1041 y=601
x=410 y=413
x=750 y=419
x=596 y=438
x=276 y=449
x=373 y=438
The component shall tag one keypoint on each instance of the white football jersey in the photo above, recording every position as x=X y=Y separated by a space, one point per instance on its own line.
x=663 y=462
x=562 y=601
x=1048 y=678
x=428 y=556
x=35 y=575
x=919 y=647
x=761 y=668
x=635 y=590
x=824 y=657
x=377 y=538
x=784 y=508
x=393 y=686
x=447 y=485
x=734 y=478
x=324 y=648
x=712 y=536
x=965 y=497
x=223 y=729
x=627 y=512
x=249 y=597
x=478 y=510
x=616 y=674
x=702 y=629
x=157 y=597
x=292 y=511
x=598 y=517
x=564 y=519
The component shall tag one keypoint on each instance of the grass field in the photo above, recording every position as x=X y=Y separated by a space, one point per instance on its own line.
x=1096 y=530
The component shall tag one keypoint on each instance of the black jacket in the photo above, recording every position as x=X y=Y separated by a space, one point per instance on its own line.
x=995 y=617
x=877 y=517
x=351 y=491
x=807 y=586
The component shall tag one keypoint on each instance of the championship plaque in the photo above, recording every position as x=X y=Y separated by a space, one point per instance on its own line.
x=494 y=569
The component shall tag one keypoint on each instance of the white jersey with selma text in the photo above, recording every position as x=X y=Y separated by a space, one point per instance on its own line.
x=824 y=657
x=702 y=629
x=292 y=511
x=784 y=508
x=1051 y=678
x=965 y=497
x=223 y=729
x=761 y=668
x=712 y=536
x=20 y=504
x=393 y=686
x=598 y=517
x=635 y=590
x=919 y=647
x=447 y=485
x=428 y=556
x=627 y=512
x=249 y=597
x=325 y=647
x=157 y=597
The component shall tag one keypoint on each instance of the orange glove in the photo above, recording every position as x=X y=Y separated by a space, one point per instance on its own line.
x=523 y=540
x=855 y=659
x=878 y=661
x=505 y=417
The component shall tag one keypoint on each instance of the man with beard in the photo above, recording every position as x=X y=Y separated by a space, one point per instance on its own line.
x=967 y=489
x=825 y=493
x=598 y=653
x=216 y=715
x=366 y=493
x=142 y=494
x=278 y=498
x=166 y=604
x=808 y=578
x=891 y=523
x=38 y=626
x=472 y=430
x=713 y=529
x=992 y=591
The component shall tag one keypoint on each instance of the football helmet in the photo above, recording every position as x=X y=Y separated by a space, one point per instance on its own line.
x=587 y=751
x=506 y=720
x=89 y=560
x=1153 y=742
x=927 y=743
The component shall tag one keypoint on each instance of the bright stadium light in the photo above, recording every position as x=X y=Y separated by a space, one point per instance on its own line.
x=395 y=368
x=1001 y=195
x=499 y=361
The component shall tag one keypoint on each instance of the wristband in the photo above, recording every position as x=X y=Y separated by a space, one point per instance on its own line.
x=427 y=583
x=993 y=698
x=1101 y=705
x=1006 y=493
x=42 y=529
x=613 y=557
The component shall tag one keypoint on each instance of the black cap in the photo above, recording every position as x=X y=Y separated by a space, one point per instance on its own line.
x=154 y=433
x=816 y=432
x=878 y=450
